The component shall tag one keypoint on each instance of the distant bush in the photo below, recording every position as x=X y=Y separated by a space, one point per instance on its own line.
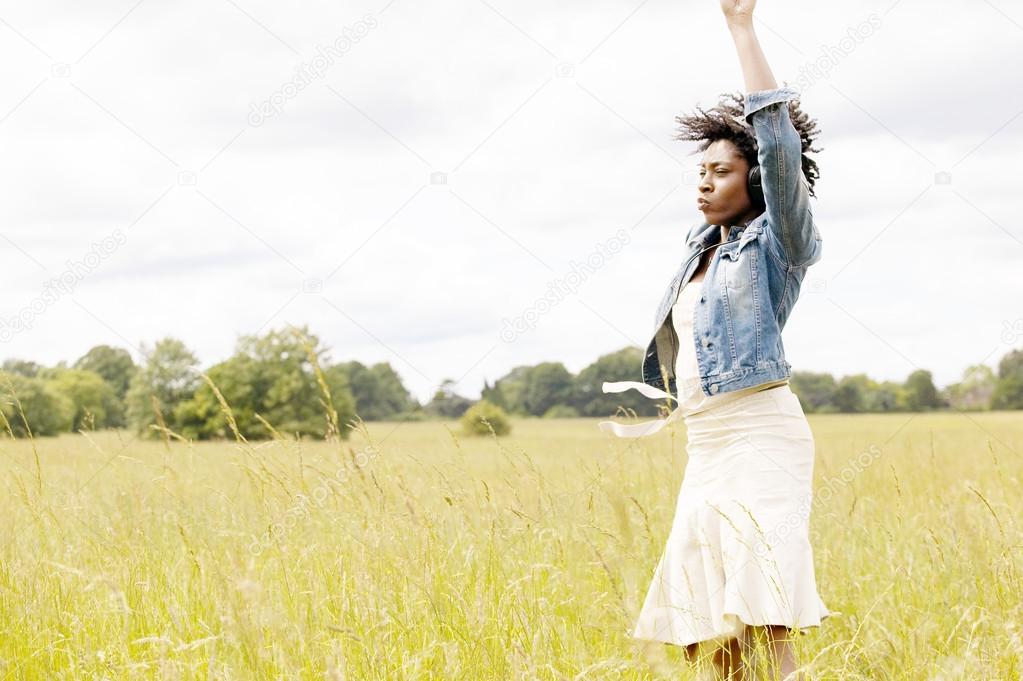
x=561 y=411
x=472 y=419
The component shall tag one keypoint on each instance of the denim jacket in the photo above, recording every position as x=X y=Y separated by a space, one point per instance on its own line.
x=750 y=285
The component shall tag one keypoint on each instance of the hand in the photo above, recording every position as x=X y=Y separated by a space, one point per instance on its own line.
x=738 y=9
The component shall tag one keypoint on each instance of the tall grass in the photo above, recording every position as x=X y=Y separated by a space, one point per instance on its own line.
x=410 y=552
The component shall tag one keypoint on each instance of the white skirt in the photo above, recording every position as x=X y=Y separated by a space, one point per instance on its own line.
x=739 y=551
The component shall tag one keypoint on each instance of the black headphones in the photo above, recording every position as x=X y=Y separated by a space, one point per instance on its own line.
x=755 y=187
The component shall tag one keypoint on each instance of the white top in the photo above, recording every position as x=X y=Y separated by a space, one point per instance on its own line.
x=691 y=398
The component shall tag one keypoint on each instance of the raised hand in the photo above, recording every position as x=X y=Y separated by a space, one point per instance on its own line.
x=738 y=9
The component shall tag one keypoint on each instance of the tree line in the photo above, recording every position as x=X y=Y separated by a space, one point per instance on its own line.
x=551 y=390
x=277 y=384
x=282 y=383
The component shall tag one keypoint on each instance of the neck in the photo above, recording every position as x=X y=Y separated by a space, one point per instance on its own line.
x=740 y=223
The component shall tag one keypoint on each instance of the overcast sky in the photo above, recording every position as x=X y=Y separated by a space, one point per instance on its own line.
x=445 y=163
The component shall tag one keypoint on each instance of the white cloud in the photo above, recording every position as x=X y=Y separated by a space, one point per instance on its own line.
x=536 y=177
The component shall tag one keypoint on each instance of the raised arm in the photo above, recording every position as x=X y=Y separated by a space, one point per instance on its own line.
x=755 y=69
x=779 y=147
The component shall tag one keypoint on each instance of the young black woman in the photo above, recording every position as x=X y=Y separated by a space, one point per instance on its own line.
x=737 y=571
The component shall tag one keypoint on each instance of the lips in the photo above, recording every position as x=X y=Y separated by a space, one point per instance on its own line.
x=702 y=205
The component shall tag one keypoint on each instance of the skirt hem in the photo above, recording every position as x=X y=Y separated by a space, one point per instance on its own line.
x=733 y=633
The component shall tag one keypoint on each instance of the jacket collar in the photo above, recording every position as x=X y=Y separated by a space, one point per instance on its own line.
x=707 y=234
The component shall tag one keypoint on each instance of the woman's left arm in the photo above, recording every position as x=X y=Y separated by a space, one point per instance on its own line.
x=780 y=149
x=755 y=69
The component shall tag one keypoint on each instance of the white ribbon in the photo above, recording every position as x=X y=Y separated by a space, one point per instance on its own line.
x=639 y=429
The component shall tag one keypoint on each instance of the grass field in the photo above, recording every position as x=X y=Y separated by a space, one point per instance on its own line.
x=411 y=552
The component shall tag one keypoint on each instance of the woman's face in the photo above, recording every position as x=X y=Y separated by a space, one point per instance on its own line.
x=723 y=197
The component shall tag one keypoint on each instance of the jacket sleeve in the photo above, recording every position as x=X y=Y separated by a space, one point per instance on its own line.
x=786 y=193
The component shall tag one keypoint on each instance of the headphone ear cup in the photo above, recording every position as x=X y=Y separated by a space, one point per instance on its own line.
x=755 y=187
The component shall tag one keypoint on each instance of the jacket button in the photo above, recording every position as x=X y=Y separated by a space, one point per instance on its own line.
x=706 y=343
x=713 y=388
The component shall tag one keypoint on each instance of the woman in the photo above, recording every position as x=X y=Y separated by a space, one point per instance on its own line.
x=738 y=570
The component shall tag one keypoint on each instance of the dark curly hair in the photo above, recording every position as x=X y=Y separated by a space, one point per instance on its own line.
x=726 y=121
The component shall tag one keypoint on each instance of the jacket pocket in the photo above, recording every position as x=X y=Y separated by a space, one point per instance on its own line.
x=736 y=264
x=737 y=274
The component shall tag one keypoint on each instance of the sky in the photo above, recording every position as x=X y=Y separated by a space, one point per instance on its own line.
x=417 y=181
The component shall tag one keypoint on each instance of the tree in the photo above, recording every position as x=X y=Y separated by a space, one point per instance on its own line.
x=493 y=394
x=1008 y=393
x=888 y=396
x=446 y=403
x=975 y=390
x=851 y=393
x=170 y=375
x=46 y=410
x=547 y=384
x=589 y=398
x=507 y=392
x=115 y=365
x=816 y=391
x=273 y=376
x=92 y=400
x=378 y=391
x=532 y=390
x=293 y=400
x=202 y=417
x=22 y=367
x=921 y=395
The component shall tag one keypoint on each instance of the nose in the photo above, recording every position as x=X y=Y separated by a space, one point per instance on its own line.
x=705 y=185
